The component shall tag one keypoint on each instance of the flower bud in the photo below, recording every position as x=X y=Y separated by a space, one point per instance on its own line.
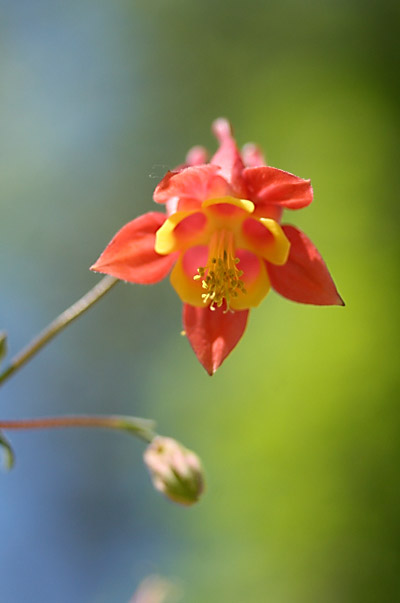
x=175 y=471
x=155 y=589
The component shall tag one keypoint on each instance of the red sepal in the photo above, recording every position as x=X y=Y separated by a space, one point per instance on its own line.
x=304 y=278
x=275 y=187
x=212 y=333
x=130 y=255
x=191 y=186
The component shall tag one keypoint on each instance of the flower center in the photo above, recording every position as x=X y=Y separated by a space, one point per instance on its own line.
x=220 y=277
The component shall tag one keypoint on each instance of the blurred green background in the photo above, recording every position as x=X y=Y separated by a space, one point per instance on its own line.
x=299 y=430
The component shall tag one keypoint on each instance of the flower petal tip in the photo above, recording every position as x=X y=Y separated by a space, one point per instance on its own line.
x=197 y=155
x=213 y=334
x=252 y=155
x=304 y=278
x=221 y=128
x=340 y=301
x=96 y=267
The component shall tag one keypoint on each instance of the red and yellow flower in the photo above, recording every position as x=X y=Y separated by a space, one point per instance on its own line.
x=222 y=237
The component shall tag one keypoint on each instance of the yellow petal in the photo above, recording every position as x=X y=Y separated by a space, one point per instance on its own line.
x=278 y=253
x=265 y=238
x=247 y=206
x=181 y=230
x=188 y=289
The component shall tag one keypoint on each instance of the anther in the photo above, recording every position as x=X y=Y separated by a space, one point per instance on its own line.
x=221 y=278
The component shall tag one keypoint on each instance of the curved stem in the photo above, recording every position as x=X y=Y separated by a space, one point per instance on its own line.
x=142 y=428
x=63 y=320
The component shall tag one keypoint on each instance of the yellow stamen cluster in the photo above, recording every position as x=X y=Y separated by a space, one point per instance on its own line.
x=221 y=279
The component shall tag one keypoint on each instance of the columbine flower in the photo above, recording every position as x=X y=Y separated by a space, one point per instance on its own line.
x=221 y=233
x=175 y=471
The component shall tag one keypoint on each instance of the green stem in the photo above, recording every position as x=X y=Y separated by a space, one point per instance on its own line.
x=62 y=321
x=142 y=428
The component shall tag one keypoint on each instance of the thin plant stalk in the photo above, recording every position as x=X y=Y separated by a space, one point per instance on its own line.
x=142 y=428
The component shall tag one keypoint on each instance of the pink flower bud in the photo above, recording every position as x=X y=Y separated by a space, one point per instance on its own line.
x=175 y=471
